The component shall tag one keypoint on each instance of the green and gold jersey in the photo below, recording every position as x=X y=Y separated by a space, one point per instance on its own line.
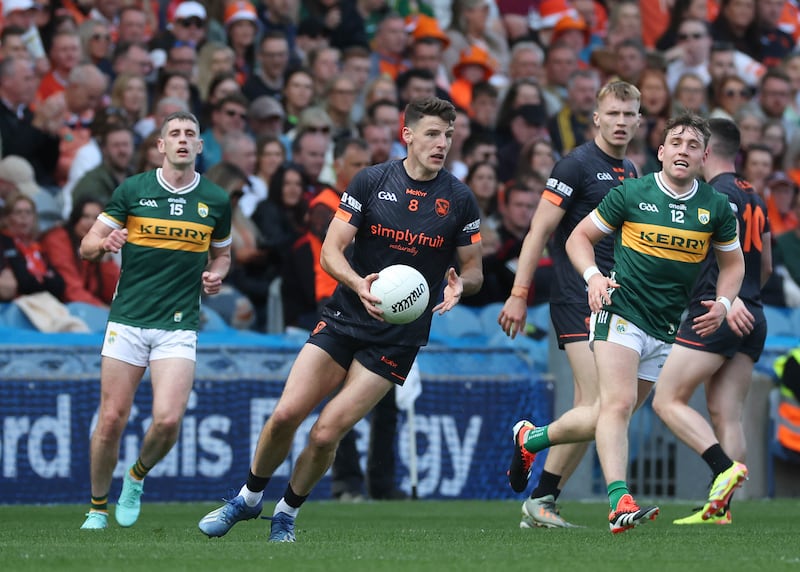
x=170 y=232
x=661 y=241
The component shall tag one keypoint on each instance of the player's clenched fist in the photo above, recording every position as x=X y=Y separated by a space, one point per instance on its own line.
x=114 y=241
x=212 y=282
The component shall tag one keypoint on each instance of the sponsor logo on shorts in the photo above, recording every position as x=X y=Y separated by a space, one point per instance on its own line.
x=388 y=361
x=318 y=328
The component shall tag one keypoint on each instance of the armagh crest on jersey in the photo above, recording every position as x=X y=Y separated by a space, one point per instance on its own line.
x=169 y=234
x=402 y=221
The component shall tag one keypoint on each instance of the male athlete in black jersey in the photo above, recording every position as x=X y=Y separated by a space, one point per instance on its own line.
x=723 y=360
x=576 y=186
x=410 y=212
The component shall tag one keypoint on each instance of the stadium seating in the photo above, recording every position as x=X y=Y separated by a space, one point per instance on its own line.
x=94 y=316
x=13 y=318
x=779 y=322
x=460 y=325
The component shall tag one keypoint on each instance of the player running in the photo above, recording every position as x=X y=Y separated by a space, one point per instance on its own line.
x=723 y=360
x=410 y=212
x=168 y=223
x=576 y=185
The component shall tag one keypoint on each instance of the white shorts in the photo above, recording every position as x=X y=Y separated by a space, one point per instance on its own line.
x=652 y=352
x=140 y=346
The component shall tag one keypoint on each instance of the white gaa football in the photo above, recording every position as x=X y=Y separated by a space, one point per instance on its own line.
x=403 y=292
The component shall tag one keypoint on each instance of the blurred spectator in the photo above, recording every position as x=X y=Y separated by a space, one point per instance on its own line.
x=229 y=116
x=174 y=83
x=780 y=198
x=527 y=122
x=523 y=91
x=731 y=95
x=310 y=36
x=12 y=44
x=389 y=48
x=22 y=133
x=181 y=58
x=298 y=95
x=690 y=95
x=631 y=60
x=323 y=63
x=340 y=95
x=694 y=43
x=679 y=11
x=279 y=16
x=469 y=28
x=775 y=44
x=21 y=14
x=484 y=106
x=131 y=58
x=116 y=144
x=189 y=25
x=129 y=99
x=757 y=166
x=787 y=246
x=281 y=220
x=355 y=65
x=242 y=25
x=751 y=125
x=132 y=24
x=95 y=39
x=309 y=148
x=655 y=108
x=737 y=23
x=239 y=149
x=526 y=62
x=270 y=154
x=482 y=180
x=16 y=175
x=84 y=281
x=775 y=93
x=560 y=63
x=213 y=59
x=479 y=147
x=23 y=267
x=461 y=132
x=624 y=23
x=473 y=66
x=537 y=156
x=573 y=125
x=428 y=43
x=162 y=109
x=341 y=22
x=221 y=85
x=265 y=117
x=65 y=54
x=774 y=136
x=379 y=138
x=148 y=157
x=268 y=77
x=416 y=83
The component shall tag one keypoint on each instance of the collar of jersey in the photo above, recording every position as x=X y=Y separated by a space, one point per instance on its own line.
x=164 y=183
x=662 y=184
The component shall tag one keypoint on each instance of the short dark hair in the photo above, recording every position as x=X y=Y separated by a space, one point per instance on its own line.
x=183 y=116
x=727 y=138
x=235 y=97
x=687 y=121
x=430 y=106
x=343 y=144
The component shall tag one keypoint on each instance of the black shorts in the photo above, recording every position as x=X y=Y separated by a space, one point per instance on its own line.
x=724 y=342
x=571 y=322
x=390 y=362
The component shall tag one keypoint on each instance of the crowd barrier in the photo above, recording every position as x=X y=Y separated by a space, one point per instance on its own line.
x=49 y=398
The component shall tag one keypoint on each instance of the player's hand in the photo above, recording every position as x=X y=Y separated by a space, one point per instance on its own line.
x=706 y=324
x=212 y=282
x=114 y=241
x=513 y=316
x=367 y=298
x=740 y=320
x=599 y=291
x=452 y=292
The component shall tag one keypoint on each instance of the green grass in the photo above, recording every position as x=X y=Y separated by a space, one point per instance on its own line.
x=407 y=536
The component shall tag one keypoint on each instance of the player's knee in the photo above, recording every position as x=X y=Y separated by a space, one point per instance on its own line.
x=167 y=427
x=110 y=423
x=324 y=438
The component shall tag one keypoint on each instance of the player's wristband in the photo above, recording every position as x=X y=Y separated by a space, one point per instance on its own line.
x=589 y=272
x=520 y=292
x=725 y=302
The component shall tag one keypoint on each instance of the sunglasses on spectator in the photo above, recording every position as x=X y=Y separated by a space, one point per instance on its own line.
x=103 y=37
x=234 y=113
x=193 y=21
x=692 y=36
x=318 y=129
x=741 y=93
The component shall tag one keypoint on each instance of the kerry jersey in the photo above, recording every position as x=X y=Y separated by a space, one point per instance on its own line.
x=577 y=184
x=661 y=243
x=402 y=221
x=170 y=232
x=751 y=214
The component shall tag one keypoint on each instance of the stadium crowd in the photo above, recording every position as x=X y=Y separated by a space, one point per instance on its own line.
x=295 y=97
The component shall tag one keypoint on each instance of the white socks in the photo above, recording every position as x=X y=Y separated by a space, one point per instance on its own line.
x=283 y=507
x=251 y=498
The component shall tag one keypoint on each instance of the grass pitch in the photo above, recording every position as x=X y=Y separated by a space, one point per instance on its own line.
x=408 y=536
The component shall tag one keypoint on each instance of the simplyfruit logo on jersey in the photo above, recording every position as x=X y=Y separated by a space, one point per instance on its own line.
x=405 y=239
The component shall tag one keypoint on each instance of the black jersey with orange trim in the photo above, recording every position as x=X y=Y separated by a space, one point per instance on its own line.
x=751 y=214
x=402 y=221
x=577 y=184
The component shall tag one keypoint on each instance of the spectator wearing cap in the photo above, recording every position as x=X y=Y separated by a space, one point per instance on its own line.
x=21 y=14
x=389 y=47
x=273 y=57
x=573 y=125
x=341 y=22
x=65 y=54
x=469 y=28
x=428 y=43
x=243 y=26
x=781 y=193
x=528 y=122
x=21 y=132
x=189 y=24
x=265 y=117
x=473 y=66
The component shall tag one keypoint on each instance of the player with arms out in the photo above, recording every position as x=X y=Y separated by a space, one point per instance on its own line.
x=173 y=228
x=723 y=360
x=412 y=212
x=666 y=224
x=576 y=185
